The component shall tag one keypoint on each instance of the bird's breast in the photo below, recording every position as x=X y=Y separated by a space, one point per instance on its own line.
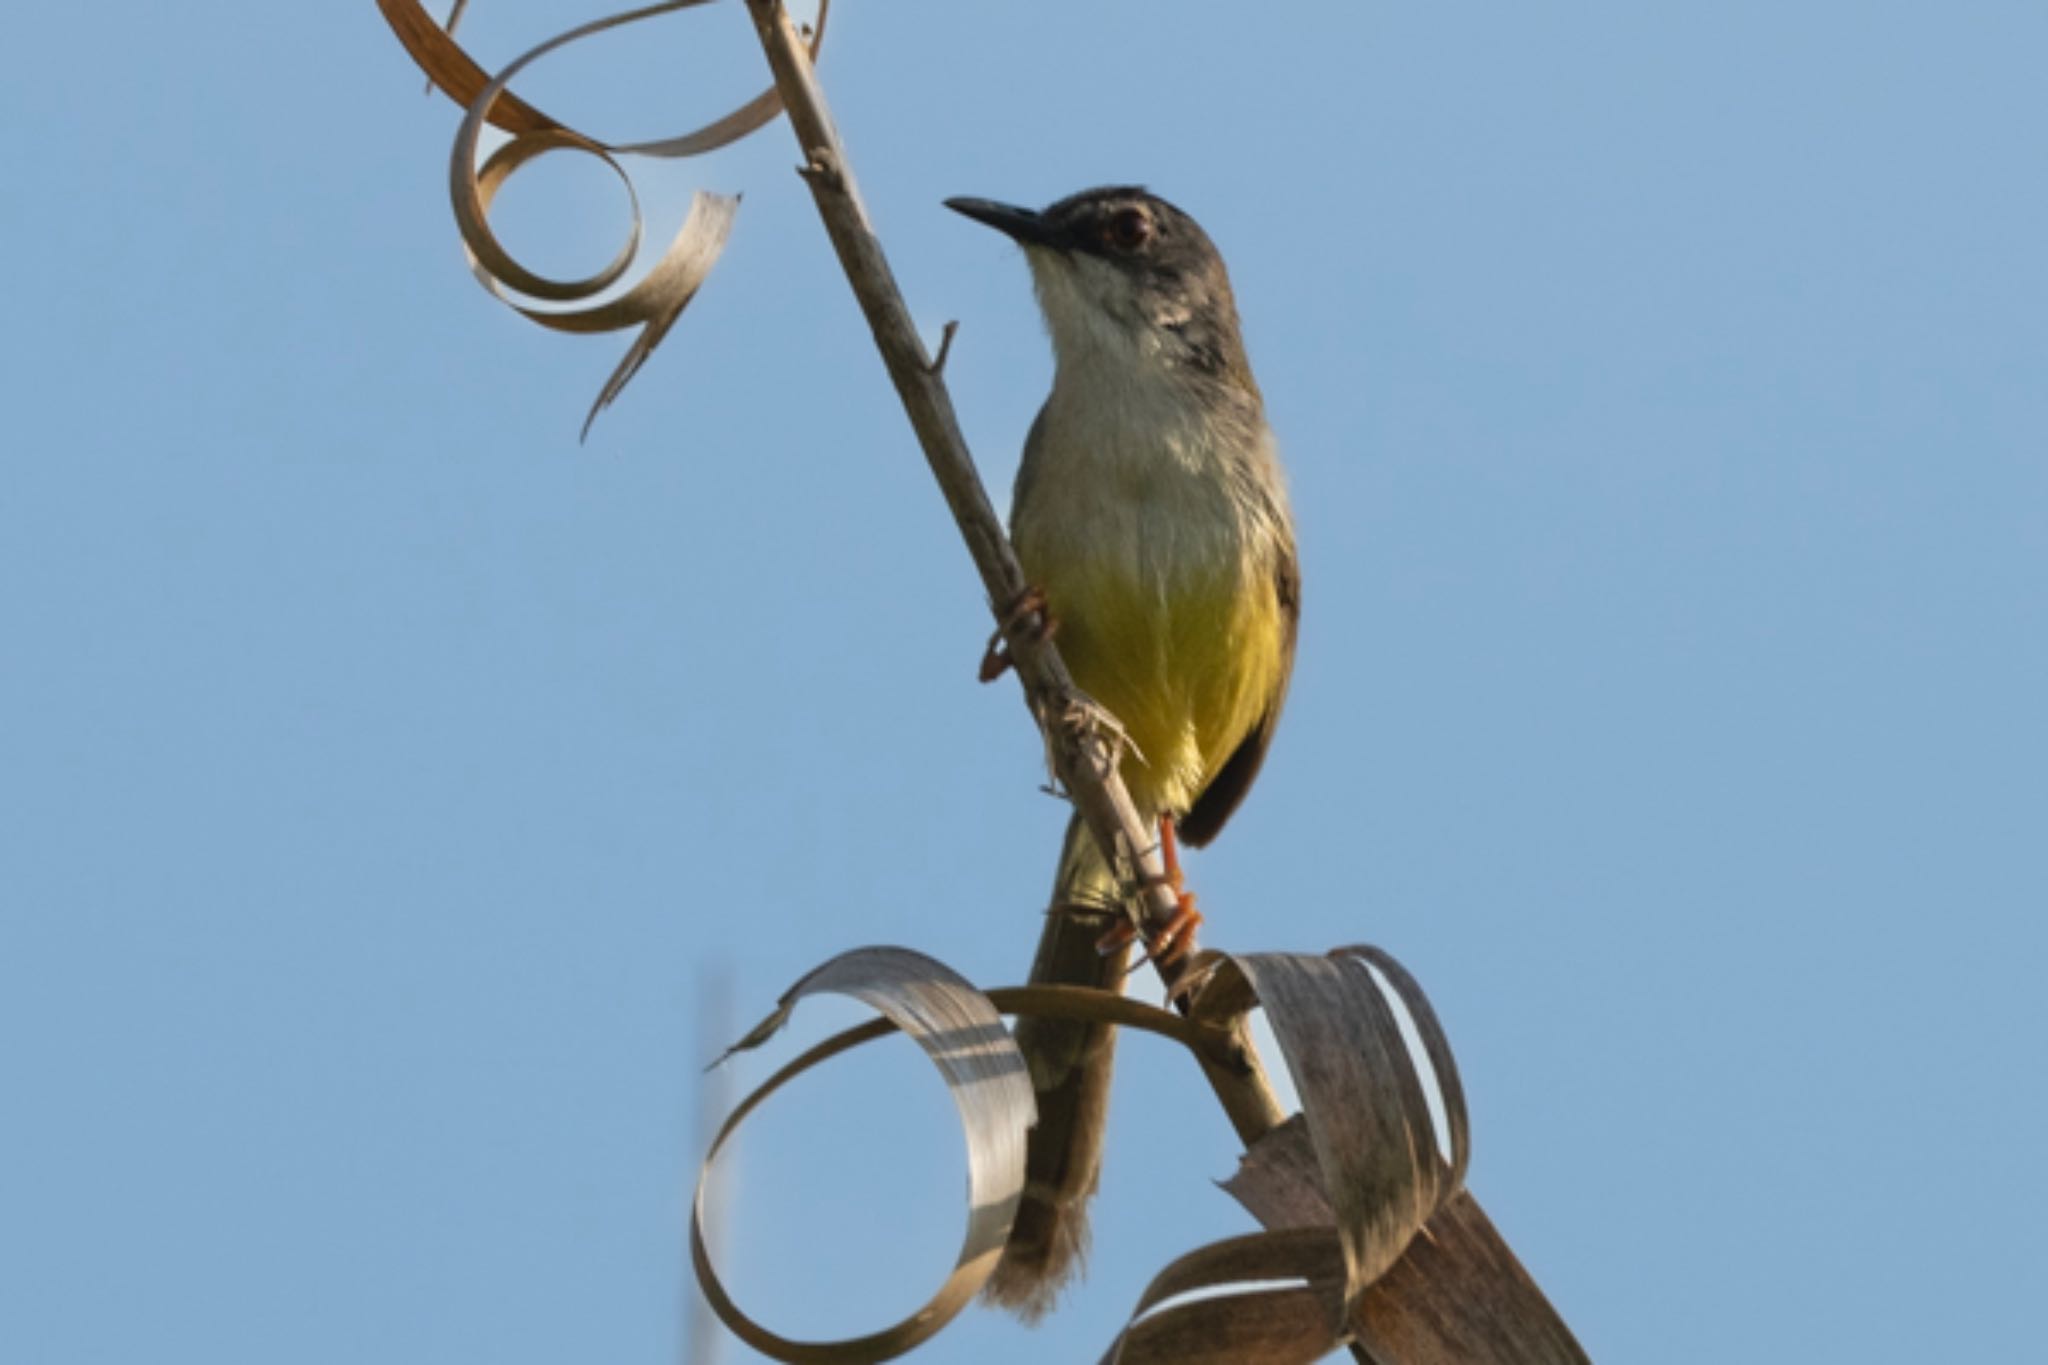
x=1157 y=561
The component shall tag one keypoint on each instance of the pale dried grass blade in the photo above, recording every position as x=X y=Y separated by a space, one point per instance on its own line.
x=1363 y=1103
x=1457 y=1295
x=456 y=74
x=472 y=189
x=453 y=71
x=1436 y=1044
x=1280 y=1180
x=1460 y=1297
x=653 y=304
x=964 y=1036
x=454 y=22
x=1266 y=1299
x=1343 y=1187
x=755 y=113
x=1255 y=1327
x=657 y=300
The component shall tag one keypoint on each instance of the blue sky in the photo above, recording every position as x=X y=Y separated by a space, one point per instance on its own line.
x=382 y=776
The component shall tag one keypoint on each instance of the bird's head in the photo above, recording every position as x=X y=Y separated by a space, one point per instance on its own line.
x=1125 y=277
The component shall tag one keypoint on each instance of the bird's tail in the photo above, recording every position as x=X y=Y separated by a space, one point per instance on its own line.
x=1070 y=1068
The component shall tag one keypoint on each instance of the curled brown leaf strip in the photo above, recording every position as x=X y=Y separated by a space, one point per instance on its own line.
x=964 y=1036
x=1457 y=1296
x=961 y=1029
x=658 y=299
x=1344 y=1186
x=1265 y=1301
x=1452 y=1293
x=1356 y=1191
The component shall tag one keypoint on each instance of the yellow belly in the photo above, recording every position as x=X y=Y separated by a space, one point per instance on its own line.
x=1187 y=659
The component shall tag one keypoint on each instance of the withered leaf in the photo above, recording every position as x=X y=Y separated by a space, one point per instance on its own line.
x=657 y=300
x=964 y=1036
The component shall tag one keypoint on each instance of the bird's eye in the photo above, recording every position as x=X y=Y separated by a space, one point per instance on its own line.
x=1129 y=229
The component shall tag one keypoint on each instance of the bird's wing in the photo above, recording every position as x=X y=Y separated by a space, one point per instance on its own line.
x=1205 y=819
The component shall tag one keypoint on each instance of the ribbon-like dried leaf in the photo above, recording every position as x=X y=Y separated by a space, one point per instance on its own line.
x=1435 y=1043
x=1254 y=1327
x=952 y=1020
x=1267 y=1299
x=1454 y=1293
x=1280 y=1180
x=1362 y=1100
x=655 y=302
x=1457 y=1295
x=452 y=70
x=964 y=1036
x=1343 y=1187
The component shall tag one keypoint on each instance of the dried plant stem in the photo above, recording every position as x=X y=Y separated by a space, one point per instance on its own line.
x=1084 y=757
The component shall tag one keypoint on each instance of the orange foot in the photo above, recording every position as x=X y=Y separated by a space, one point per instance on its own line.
x=1173 y=941
x=996 y=659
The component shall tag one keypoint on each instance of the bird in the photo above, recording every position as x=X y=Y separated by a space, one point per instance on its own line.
x=1151 y=518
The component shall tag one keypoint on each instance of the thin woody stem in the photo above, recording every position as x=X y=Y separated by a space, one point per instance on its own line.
x=1084 y=758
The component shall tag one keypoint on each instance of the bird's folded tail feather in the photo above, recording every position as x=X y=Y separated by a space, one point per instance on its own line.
x=1070 y=1072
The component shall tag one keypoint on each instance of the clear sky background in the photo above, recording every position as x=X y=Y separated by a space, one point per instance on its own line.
x=382 y=775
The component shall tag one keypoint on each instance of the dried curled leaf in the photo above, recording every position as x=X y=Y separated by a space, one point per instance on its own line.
x=1456 y=1295
x=1460 y=1297
x=1273 y=1308
x=657 y=300
x=1362 y=1098
x=1370 y=1237
x=964 y=1036
x=961 y=1029
x=1344 y=1186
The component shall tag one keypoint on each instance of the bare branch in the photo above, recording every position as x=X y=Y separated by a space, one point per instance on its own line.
x=1084 y=759
x=1085 y=763
x=938 y=365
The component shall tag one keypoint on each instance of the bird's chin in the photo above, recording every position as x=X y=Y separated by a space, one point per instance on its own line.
x=1088 y=307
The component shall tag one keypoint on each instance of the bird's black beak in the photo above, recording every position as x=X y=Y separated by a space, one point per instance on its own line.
x=1025 y=226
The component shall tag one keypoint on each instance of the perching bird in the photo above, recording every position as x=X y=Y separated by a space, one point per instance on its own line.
x=1151 y=516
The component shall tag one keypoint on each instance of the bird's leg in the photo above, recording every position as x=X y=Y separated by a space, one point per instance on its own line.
x=996 y=659
x=1172 y=942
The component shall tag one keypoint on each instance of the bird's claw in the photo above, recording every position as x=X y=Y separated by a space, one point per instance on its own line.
x=1171 y=942
x=995 y=660
x=1165 y=948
